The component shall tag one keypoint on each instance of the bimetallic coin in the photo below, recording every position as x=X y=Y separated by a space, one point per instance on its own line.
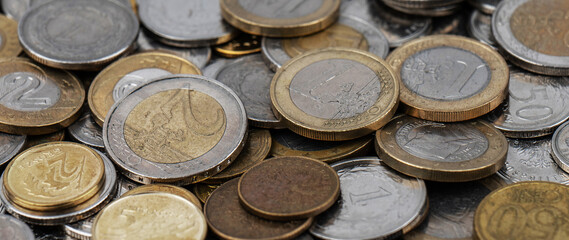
x=85 y=130
x=485 y=6
x=165 y=188
x=199 y=55
x=241 y=45
x=335 y=94
x=560 y=147
x=203 y=191
x=77 y=34
x=46 y=138
x=449 y=78
x=9 y=43
x=375 y=202
x=10 y=145
x=480 y=27
x=15 y=9
x=178 y=129
x=14 y=229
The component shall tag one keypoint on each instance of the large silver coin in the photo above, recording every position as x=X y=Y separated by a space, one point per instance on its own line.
x=212 y=68
x=15 y=9
x=486 y=6
x=77 y=34
x=86 y=131
x=560 y=146
x=14 y=229
x=10 y=145
x=480 y=27
x=199 y=56
x=375 y=202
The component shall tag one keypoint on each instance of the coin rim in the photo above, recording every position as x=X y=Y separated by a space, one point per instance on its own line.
x=10 y=45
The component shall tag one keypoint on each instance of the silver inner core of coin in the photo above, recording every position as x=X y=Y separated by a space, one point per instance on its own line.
x=281 y=8
x=87 y=131
x=441 y=142
x=9 y=146
x=23 y=91
x=560 y=146
x=134 y=79
x=12 y=228
x=445 y=73
x=335 y=89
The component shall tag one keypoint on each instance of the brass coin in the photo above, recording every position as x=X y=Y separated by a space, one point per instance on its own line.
x=289 y=188
x=124 y=75
x=229 y=220
x=281 y=18
x=154 y=188
x=9 y=43
x=449 y=78
x=445 y=152
x=46 y=138
x=203 y=190
x=525 y=210
x=54 y=176
x=150 y=216
x=241 y=45
x=37 y=100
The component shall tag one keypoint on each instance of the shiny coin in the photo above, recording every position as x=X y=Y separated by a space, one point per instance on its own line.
x=46 y=138
x=480 y=27
x=281 y=18
x=178 y=129
x=10 y=145
x=227 y=218
x=560 y=147
x=485 y=6
x=349 y=32
x=203 y=190
x=449 y=78
x=85 y=130
x=157 y=188
x=242 y=45
x=289 y=188
x=120 y=78
x=376 y=203
x=36 y=100
x=150 y=216
x=199 y=55
x=80 y=230
x=537 y=46
x=12 y=228
x=527 y=210
x=77 y=34
x=335 y=94
x=9 y=44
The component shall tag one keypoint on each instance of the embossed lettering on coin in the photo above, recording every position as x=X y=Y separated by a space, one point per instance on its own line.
x=24 y=91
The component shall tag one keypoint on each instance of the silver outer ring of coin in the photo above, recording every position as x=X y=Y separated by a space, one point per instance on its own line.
x=14 y=148
x=76 y=133
x=199 y=56
x=518 y=53
x=184 y=173
x=412 y=221
x=214 y=66
x=475 y=29
x=275 y=55
x=556 y=152
x=73 y=229
x=24 y=231
x=36 y=51
x=82 y=211
x=484 y=5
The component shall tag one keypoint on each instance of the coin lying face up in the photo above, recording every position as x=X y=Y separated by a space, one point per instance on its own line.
x=9 y=44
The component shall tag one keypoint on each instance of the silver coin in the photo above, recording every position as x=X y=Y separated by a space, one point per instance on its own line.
x=480 y=27
x=15 y=9
x=276 y=56
x=2 y=208
x=213 y=67
x=199 y=55
x=560 y=146
x=433 y=9
x=160 y=152
x=134 y=79
x=10 y=145
x=375 y=202
x=14 y=229
x=77 y=34
x=422 y=3
x=250 y=78
x=185 y=23
x=485 y=6
x=536 y=105
x=86 y=131
x=124 y=185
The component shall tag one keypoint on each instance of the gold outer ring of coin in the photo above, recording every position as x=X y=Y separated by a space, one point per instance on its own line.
x=241 y=18
x=459 y=110
x=508 y=212
x=9 y=42
x=62 y=114
x=242 y=45
x=485 y=165
x=100 y=96
x=15 y=184
x=313 y=127
x=154 y=188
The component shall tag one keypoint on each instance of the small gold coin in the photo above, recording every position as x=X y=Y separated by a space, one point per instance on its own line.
x=525 y=211
x=335 y=94
x=124 y=75
x=54 y=176
x=9 y=43
x=150 y=216
x=203 y=190
x=241 y=45
x=154 y=188
x=449 y=78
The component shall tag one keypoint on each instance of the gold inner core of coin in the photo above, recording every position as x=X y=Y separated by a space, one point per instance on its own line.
x=543 y=26
x=175 y=126
x=337 y=35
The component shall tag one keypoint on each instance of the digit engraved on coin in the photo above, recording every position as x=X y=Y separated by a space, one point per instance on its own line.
x=23 y=91
x=281 y=8
x=337 y=35
x=134 y=79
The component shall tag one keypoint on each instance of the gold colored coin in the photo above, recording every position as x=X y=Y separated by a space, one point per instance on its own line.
x=335 y=94
x=37 y=100
x=241 y=45
x=449 y=78
x=47 y=138
x=150 y=216
x=124 y=75
x=524 y=211
x=154 y=188
x=54 y=176
x=9 y=43
x=203 y=190
x=282 y=18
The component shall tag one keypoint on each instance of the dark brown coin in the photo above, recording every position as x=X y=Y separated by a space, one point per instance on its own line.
x=41 y=139
x=229 y=220
x=289 y=188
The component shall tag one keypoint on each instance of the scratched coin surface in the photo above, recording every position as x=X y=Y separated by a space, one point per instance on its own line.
x=85 y=130
x=560 y=147
x=480 y=27
x=156 y=188
x=197 y=55
x=449 y=78
x=178 y=129
x=79 y=35
x=527 y=210
x=289 y=188
x=335 y=94
x=9 y=43
x=229 y=220
x=10 y=145
x=375 y=202
x=14 y=229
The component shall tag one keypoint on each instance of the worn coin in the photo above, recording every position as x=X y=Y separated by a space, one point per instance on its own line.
x=480 y=27
x=15 y=9
x=12 y=228
x=203 y=190
x=156 y=188
x=9 y=43
x=485 y=6
x=560 y=147
x=199 y=56
x=243 y=44
x=46 y=138
x=86 y=131
x=10 y=145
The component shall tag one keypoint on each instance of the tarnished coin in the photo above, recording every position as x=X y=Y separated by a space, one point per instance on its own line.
x=36 y=100
x=560 y=146
x=199 y=55
x=229 y=220
x=77 y=34
x=243 y=44
x=527 y=210
x=540 y=46
x=375 y=203
x=46 y=138
x=536 y=105
x=335 y=94
x=203 y=190
x=480 y=27
x=10 y=145
x=9 y=43
x=179 y=129
x=185 y=23
x=486 y=6
x=348 y=31
x=14 y=229
x=449 y=78
x=136 y=217
x=85 y=130
x=123 y=76
x=165 y=188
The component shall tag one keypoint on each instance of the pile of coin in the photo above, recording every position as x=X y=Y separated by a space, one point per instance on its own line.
x=284 y=119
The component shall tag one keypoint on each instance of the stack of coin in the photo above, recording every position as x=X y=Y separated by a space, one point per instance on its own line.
x=434 y=8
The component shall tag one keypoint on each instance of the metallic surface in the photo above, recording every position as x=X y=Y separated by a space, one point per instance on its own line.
x=86 y=131
x=46 y=138
x=243 y=44
x=199 y=55
x=15 y=9
x=203 y=190
x=480 y=27
x=9 y=43
x=14 y=229
x=156 y=188
x=10 y=145
x=486 y=6
x=560 y=147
